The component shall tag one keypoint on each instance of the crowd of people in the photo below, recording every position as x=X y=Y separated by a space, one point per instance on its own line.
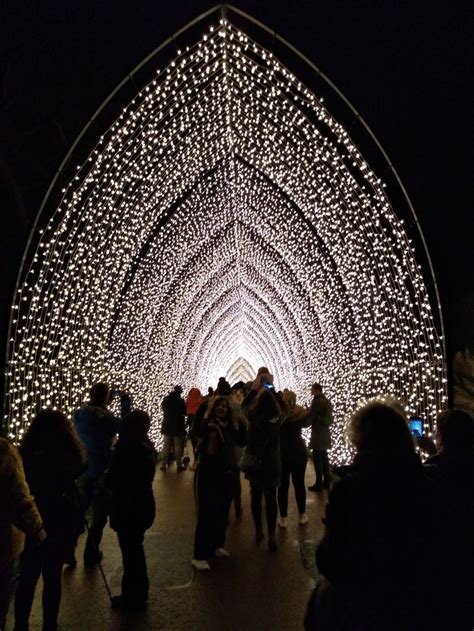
x=398 y=548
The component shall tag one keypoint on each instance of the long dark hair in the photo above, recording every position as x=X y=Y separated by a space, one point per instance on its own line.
x=53 y=433
x=215 y=402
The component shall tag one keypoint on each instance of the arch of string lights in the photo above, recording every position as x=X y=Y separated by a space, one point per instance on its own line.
x=224 y=221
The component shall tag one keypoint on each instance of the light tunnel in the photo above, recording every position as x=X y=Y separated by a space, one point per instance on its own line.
x=224 y=221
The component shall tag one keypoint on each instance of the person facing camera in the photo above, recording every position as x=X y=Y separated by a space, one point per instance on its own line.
x=264 y=410
x=376 y=555
x=132 y=505
x=220 y=433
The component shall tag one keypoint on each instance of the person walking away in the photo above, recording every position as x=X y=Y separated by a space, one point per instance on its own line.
x=452 y=471
x=294 y=458
x=97 y=428
x=173 y=427
x=220 y=433
x=193 y=402
x=132 y=505
x=321 y=420
x=377 y=554
x=18 y=515
x=53 y=457
x=264 y=412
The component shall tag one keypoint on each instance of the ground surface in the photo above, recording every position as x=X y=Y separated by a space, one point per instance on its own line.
x=252 y=590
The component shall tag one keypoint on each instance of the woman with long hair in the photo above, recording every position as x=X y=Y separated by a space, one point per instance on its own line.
x=52 y=457
x=219 y=435
x=132 y=505
x=264 y=410
x=294 y=457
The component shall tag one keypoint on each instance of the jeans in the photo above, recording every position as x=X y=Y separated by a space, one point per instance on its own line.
x=296 y=470
x=257 y=492
x=96 y=497
x=135 y=578
x=214 y=494
x=178 y=448
x=46 y=560
x=321 y=467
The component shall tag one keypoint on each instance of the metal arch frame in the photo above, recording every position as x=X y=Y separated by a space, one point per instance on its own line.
x=223 y=9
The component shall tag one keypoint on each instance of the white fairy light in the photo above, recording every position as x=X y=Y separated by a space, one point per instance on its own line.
x=225 y=221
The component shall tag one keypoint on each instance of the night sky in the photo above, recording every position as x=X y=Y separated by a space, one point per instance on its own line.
x=405 y=66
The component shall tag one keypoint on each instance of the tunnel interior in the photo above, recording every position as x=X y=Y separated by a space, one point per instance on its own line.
x=224 y=221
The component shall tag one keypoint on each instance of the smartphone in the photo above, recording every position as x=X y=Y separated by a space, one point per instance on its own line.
x=268 y=386
x=416 y=427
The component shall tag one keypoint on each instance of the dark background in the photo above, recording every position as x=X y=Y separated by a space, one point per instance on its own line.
x=405 y=66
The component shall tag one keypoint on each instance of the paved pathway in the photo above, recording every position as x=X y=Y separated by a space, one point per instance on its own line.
x=252 y=590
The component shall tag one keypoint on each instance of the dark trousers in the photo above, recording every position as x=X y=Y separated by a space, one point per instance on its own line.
x=95 y=496
x=135 y=578
x=236 y=491
x=296 y=470
x=6 y=573
x=45 y=560
x=214 y=495
x=321 y=466
x=257 y=492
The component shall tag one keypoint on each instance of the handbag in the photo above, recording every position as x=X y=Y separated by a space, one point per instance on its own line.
x=249 y=462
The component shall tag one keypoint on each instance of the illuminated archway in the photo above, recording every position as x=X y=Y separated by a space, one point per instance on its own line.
x=224 y=221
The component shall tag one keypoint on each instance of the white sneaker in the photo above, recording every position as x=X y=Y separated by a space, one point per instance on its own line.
x=200 y=565
x=303 y=519
x=221 y=553
x=283 y=522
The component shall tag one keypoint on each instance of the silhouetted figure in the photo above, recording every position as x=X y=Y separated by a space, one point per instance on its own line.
x=18 y=515
x=377 y=554
x=452 y=470
x=294 y=458
x=264 y=411
x=173 y=427
x=321 y=420
x=193 y=403
x=53 y=457
x=236 y=399
x=132 y=505
x=220 y=433
x=97 y=427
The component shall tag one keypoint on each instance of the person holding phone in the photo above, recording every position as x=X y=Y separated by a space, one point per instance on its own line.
x=264 y=410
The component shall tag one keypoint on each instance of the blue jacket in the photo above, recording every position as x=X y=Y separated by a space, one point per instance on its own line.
x=97 y=427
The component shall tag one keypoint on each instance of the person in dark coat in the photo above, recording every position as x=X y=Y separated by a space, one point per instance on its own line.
x=294 y=458
x=264 y=411
x=173 y=427
x=321 y=420
x=97 y=427
x=53 y=458
x=377 y=555
x=452 y=471
x=220 y=434
x=132 y=505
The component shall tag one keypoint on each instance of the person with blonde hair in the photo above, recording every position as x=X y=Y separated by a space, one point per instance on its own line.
x=19 y=516
x=294 y=458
